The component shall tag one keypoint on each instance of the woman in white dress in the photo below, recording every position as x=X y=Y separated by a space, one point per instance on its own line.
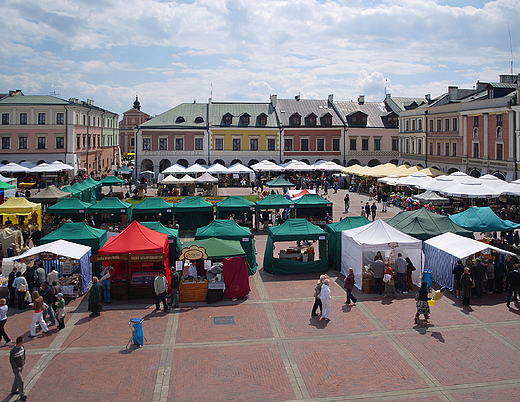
x=325 y=300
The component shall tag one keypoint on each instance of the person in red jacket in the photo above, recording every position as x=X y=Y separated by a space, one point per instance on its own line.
x=349 y=285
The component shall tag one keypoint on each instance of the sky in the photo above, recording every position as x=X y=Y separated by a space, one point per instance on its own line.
x=169 y=52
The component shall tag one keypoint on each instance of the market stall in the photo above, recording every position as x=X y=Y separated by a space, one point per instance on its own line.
x=201 y=261
x=482 y=219
x=96 y=185
x=314 y=208
x=228 y=229
x=9 y=236
x=21 y=211
x=138 y=254
x=112 y=210
x=441 y=253
x=271 y=202
x=153 y=209
x=87 y=193
x=335 y=242
x=193 y=213
x=208 y=183
x=50 y=195
x=71 y=208
x=297 y=260
x=173 y=237
x=360 y=245
x=238 y=205
x=74 y=191
x=279 y=182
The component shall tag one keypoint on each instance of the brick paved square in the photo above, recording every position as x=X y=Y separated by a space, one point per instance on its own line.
x=111 y=328
x=7 y=376
x=19 y=323
x=197 y=325
x=231 y=373
x=464 y=356
x=511 y=332
x=109 y=376
x=355 y=366
x=293 y=286
x=495 y=310
x=507 y=393
x=295 y=319
x=398 y=313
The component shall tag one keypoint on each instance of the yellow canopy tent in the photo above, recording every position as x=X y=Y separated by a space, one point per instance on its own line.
x=432 y=172
x=383 y=170
x=19 y=206
x=351 y=169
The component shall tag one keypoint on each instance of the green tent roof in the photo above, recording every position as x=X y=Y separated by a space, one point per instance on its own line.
x=87 y=192
x=79 y=233
x=124 y=169
x=153 y=205
x=236 y=204
x=5 y=186
x=74 y=191
x=191 y=204
x=112 y=205
x=274 y=201
x=218 y=248
x=335 y=229
x=279 y=182
x=112 y=181
x=482 y=219
x=230 y=230
x=297 y=229
x=68 y=206
x=173 y=234
x=51 y=194
x=311 y=200
x=423 y=224
x=93 y=182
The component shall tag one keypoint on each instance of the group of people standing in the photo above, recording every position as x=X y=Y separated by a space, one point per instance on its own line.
x=383 y=273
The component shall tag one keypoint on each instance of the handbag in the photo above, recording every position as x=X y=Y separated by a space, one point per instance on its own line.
x=22 y=287
x=28 y=297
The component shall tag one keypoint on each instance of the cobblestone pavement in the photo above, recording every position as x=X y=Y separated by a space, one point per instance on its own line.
x=275 y=351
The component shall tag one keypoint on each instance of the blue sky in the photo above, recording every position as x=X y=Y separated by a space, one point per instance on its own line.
x=170 y=52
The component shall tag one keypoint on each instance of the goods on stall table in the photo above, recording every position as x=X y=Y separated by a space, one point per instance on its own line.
x=70 y=285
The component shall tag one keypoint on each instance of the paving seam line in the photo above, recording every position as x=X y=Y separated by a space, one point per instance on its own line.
x=162 y=385
x=461 y=311
x=493 y=332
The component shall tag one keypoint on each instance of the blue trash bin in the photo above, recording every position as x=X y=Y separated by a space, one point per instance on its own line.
x=137 y=324
x=427 y=276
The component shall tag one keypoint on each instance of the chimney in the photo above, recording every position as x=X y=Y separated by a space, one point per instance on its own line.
x=297 y=97
x=274 y=99
x=428 y=98
x=388 y=96
x=361 y=99
x=453 y=93
x=16 y=92
x=330 y=99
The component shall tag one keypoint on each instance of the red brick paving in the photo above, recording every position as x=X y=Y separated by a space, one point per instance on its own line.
x=506 y=394
x=19 y=323
x=295 y=319
x=464 y=356
x=196 y=325
x=511 y=332
x=6 y=376
x=292 y=286
x=356 y=366
x=494 y=311
x=232 y=373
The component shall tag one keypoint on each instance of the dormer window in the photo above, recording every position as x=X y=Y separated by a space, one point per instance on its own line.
x=228 y=118
x=326 y=120
x=244 y=119
x=199 y=120
x=310 y=120
x=357 y=118
x=262 y=119
x=296 y=119
x=180 y=119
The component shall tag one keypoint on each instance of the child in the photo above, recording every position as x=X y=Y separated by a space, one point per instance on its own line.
x=422 y=303
x=60 y=312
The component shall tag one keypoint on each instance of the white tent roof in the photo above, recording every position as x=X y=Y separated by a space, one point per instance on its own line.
x=327 y=166
x=196 y=169
x=206 y=178
x=266 y=166
x=61 y=165
x=217 y=168
x=461 y=177
x=28 y=164
x=460 y=246
x=45 y=167
x=186 y=179
x=380 y=234
x=59 y=247
x=169 y=180
x=439 y=183
x=415 y=179
x=471 y=190
x=13 y=168
x=175 y=168
x=297 y=166
x=239 y=168
x=492 y=181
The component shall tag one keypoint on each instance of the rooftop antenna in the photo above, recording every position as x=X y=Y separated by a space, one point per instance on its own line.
x=211 y=91
x=511 y=47
x=54 y=93
x=386 y=82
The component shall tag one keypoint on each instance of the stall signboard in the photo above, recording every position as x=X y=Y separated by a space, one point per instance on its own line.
x=109 y=257
x=193 y=253
x=146 y=257
x=46 y=256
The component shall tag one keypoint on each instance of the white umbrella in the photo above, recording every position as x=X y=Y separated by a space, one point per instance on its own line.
x=327 y=166
x=206 y=178
x=186 y=179
x=492 y=181
x=471 y=190
x=148 y=172
x=217 y=168
x=266 y=166
x=13 y=168
x=61 y=165
x=44 y=168
x=296 y=166
x=239 y=168
x=439 y=183
x=196 y=169
x=415 y=179
x=175 y=168
x=169 y=180
x=27 y=164
x=460 y=177
x=389 y=178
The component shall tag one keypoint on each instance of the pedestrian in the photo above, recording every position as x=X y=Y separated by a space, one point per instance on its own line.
x=175 y=284
x=160 y=285
x=349 y=285
x=11 y=288
x=106 y=281
x=457 y=272
x=29 y=277
x=346 y=200
x=465 y=284
x=409 y=271
x=20 y=284
x=390 y=283
x=378 y=269
x=317 y=295
x=514 y=283
x=52 y=276
x=3 y=320
x=11 y=250
x=384 y=197
x=38 y=306
x=373 y=209
x=94 y=298
x=325 y=297
x=60 y=312
x=401 y=269
x=422 y=303
x=39 y=275
x=17 y=360
x=479 y=278
x=48 y=299
x=490 y=274
x=36 y=235
x=368 y=211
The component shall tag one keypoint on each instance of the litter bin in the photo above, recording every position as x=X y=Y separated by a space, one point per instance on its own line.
x=427 y=276
x=136 y=325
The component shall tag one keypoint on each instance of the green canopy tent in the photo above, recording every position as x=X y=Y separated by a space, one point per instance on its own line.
x=229 y=230
x=112 y=181
x=112 y=205
x=218 y=248
x=96 y=185
x=312 y=205
x=70 y=207
x=75 y=192
x=294 y=230
x=279 y=182
x=483 y=219
x=173 y=238
x=272 y=201
x=152 y=206
x=88 y=194
x=235 y=204
x=423 y=224
x=193 y=213
x=335 y=242
x=50 y=195
x=5 y=186
x=124 y=170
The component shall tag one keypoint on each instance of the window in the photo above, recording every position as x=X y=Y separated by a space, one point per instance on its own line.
x=446 y=124
x=93 y=141
x=132 y=141
x=320 y=144
x=420 y=124
x=413 y=146
x=6 y=142
x=60 y=118
x=377 y=144
x=500 y=152
x=5 y=120
x=431 y=126
x=327 y=121
x=219 y=144
x=22 y=142
x=60 y=142
x=454 y=153
x=180 y=119
x=335 y=144
x=475 y=132
x=41 y=118
x=395 y=144
x=84 y=139
x=228 y=118
x=364 y=144
x=163 y=144
x=147 y=144
x=262 y=119
x=407 y=125
x=23 y=118
x=413 y=125
x=499 y=133
x=295 y=119
x=311 y=120
x=271 y=144
x=455 y=124
x=253 y=144
x=88 y=141
x=42 y=142
x=199 y=144
x=304 y=142
x=179 y=144
x=353 y=144
x=476 y=150
x=244 y=119
x=199 y=120
x=78 y=142
x=407 y=146
x=439 y=149
x=500 y=120
x=475 y=121
x=447 y=149
x=419 y=146
x=288 y=146
x=439 y=125
x=237 y=144
x=431 y=148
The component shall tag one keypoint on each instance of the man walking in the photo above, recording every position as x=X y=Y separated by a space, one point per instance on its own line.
x=514 y=283
x=400 y=267
x=175 y=285
x=384 y=198
x=347 y=202
x=373 y=210
x=17 y=360
x=160 y=285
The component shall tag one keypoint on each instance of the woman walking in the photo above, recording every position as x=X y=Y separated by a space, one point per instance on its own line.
x=349 y=285
x=325 y=297
x=94 y=297
x=20 y=284
x=317 y=300
x=38 y=314
x=422 y=303
x=3 y=321
x=409 y=270
x=465 y=283
x=60 y=312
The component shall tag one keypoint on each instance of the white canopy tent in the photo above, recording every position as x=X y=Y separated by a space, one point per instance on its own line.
x=13 y=168
x=206 y=178
x=296 y=166
x=239 y=168
x=175 y=168
x=171 y=179
x=44 y=168
x=196 y=168
x=461 y=177
x=415 y=179
x=492 y=181
x=186 y=179
x=266 y=166
x=359 y=246
x=439 y=183
x=217 y=168
x=471 y=190
x=61 y=165
x=328 y=166
x=442 y=252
